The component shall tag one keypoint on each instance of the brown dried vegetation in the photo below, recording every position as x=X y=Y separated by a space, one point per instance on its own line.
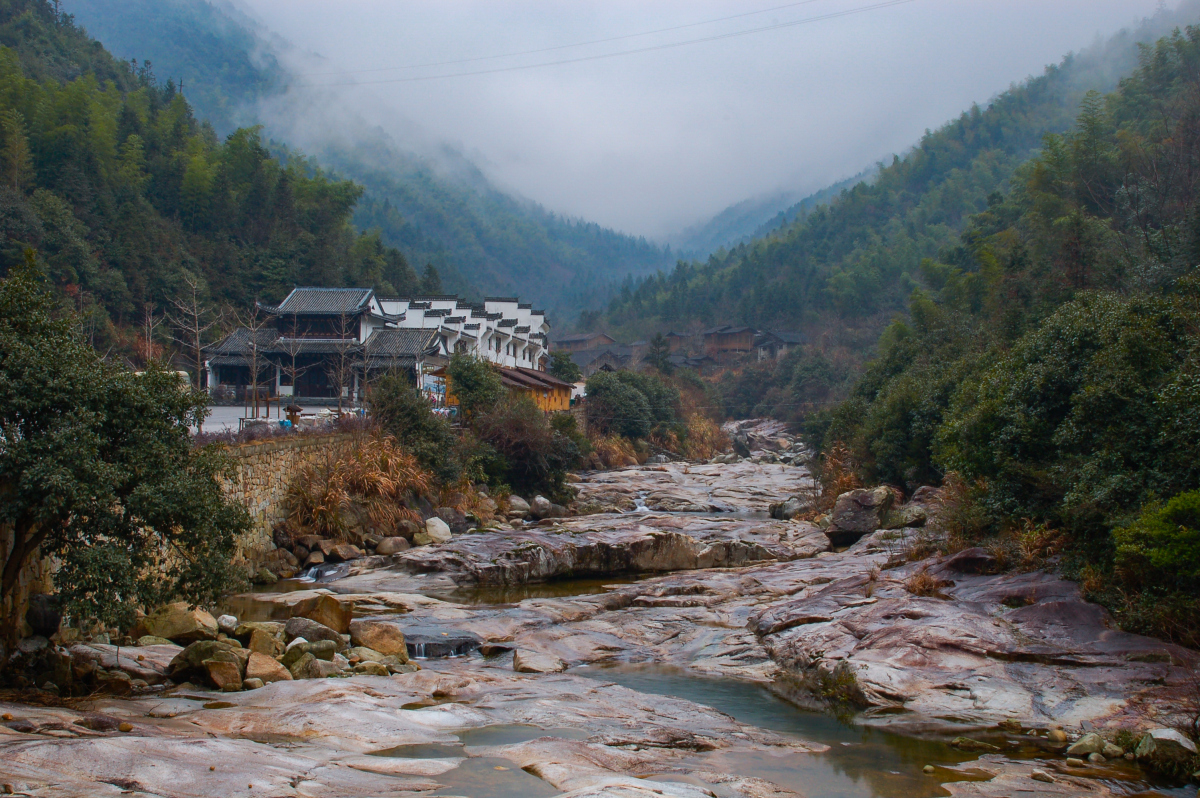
x=376 y=474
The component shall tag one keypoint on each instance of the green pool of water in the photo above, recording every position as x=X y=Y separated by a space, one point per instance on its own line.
x=512 y=594
x=862 y=762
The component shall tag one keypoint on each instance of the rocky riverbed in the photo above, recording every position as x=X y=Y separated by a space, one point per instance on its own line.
x=561 y=683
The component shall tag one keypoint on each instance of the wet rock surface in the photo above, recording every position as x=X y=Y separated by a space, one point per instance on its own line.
x=728 y=594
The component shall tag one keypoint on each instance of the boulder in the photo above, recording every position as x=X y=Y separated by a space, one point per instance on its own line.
x=788 y=509
x=857 y=513
x=540 y=507
x=151 y=640
x=226 y=675
x=179 y=624
x=311 y=631
x=227 y=624
x=1090 y=743
x=1165 y=749
x=372 y=668
x=1056 y=736
x=972 y=561
x=314 y=558
x=325 y=610
x=1042 y=776
x=1112 y=751
x=455 y=520
x=252 y=684
x=392 y=545
x=265 y=643
x=260 y=666
x=344 y=552
x=309 y=542
x=189 y=663
x=436 y=530
x=381 y=636
x=741 y=445
x=322 y=649
x=907 y=516
x=264 y=576
x=535 y=662
x=406 y=528
x=517 y=506
x=306 y=667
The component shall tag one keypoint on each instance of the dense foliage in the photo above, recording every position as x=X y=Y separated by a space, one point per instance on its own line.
x=404 y=414
x=126 y=196
x=1050 y=357
x=630 y=404
x=98 y=469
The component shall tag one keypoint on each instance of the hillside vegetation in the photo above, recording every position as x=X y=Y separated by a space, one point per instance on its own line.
x=1048 y=366
x=438 y=209
x=126 y=196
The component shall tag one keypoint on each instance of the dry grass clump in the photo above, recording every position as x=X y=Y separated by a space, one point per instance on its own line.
x=376 y=474
x=960 y=520
x=705 y=438
x=837 y=472
x=614 y=451
x=923 y=583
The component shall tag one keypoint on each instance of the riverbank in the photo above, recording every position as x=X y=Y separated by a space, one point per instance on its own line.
x=664 y=681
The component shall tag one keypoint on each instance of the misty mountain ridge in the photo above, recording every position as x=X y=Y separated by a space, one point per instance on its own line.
x=428 y=199
x=756 y=217
x=842 y=269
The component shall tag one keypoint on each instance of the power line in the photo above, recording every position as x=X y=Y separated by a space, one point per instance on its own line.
x=561 y=46
x=717 y=37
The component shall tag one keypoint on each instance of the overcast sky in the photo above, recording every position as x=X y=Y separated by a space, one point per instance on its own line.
x=650 y=142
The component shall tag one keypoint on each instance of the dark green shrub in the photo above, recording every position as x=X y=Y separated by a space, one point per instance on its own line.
x=616 y=407
x=565 y=424
x=476 y=385
x=1162 y=547
x=563 y=367
x=400 y=410
x=530 y=456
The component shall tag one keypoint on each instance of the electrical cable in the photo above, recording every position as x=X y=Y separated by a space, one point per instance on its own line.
x=671 y=45
x=560 y=46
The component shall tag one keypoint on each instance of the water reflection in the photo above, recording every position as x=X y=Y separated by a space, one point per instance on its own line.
x=862 y=762
x=513 y=594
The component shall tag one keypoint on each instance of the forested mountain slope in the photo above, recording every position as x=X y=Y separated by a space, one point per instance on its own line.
x=856 y=260
x=754 y=218
x=126 y=196
x=438 y=210
x=1050 y=370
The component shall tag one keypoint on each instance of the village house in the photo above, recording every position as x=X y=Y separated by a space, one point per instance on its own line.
x=722 y=343
x=774 y=344
x=584 y=342
x=319 y=342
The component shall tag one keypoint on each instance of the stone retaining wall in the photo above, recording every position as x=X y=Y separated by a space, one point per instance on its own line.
x=264 y=470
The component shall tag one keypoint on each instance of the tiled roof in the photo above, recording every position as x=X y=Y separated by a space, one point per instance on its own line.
x=239 y=341
x=507 y=323
x=324 y=301
x=314 y=346
x=399 y=343
x=455 y=319
x=521 y=330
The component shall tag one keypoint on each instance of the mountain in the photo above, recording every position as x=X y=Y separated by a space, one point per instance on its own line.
x=439 y=208
x=843 y=269
x=129 y=200
x=755 y=218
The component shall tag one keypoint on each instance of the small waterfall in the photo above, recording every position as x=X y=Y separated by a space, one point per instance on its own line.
x=639 y=505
